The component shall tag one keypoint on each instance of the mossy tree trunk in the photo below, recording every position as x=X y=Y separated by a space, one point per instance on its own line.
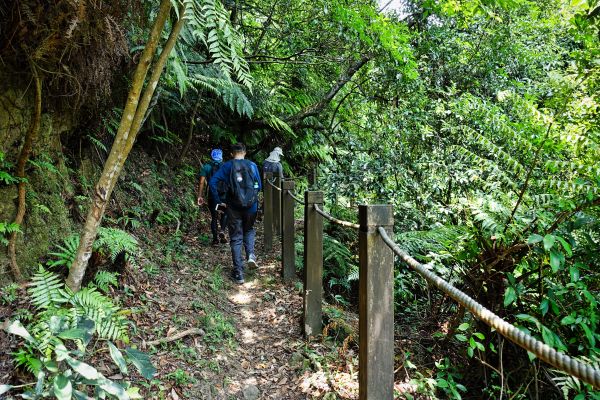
x=131 y=121
x=30 y=137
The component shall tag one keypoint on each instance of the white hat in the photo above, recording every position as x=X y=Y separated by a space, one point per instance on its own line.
x=278 y=150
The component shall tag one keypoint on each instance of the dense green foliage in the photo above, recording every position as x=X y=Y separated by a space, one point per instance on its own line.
x=477 y=120
x=63 y=320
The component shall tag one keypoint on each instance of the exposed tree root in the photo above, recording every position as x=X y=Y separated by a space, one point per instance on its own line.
x=191 y=331
x=30 y=137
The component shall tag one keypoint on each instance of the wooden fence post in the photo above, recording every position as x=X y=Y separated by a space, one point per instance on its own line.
x=375 y=305
x=268 y=212
x=277 y=207
x=313 y=263
x=288 y=250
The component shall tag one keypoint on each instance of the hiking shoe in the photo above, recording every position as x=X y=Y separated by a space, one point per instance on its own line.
x=252 y=261
x=237 y=277
x=222 y=237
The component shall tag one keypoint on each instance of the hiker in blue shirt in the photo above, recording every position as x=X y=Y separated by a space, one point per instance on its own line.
x=243 y=183
x=207 y=171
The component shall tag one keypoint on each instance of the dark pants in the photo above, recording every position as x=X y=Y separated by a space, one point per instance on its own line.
x=215 y=219
x=241 y=231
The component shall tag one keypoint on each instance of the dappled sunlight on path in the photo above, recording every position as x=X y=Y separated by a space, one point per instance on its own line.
x=268 y=334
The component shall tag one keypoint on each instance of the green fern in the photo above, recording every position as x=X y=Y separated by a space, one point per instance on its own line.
x=111 y=241
x=67 y=252
x=110 y=324
x=7 y=228
x=209 y=22
x=231 y=93
x=47 y=289
x=48 y=292
x=116 y=241
x=354 y=273
x=105 y=279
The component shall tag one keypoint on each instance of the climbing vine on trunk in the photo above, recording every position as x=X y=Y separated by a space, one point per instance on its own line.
x=30 y=137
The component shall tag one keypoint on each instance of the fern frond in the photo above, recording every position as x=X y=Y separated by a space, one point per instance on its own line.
x=485 y=164
x=573 y=187
x=209 y=22
x=279 y=125
x=105 y=279
x=94 y=305
x=67 y=252
x=354 y=273
x=47 y=289
x=494 y=150
x=116 y=241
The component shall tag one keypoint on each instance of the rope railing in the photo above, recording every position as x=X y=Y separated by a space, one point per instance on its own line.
x=544 y=352
x=336 y=220
x=297 y=199
x=376 y=363
x=273 y=185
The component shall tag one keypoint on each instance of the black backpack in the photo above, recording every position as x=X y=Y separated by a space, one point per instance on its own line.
x=243 y=187
x=221 y=186
x=214 y=167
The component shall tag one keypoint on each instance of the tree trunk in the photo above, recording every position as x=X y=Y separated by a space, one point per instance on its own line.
x=131 y=121
x=30 y=137
x=188 y=141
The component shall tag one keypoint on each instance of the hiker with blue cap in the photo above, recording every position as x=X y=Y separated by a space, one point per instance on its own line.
x=207 y=171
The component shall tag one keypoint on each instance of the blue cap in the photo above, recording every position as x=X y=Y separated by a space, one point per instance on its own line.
x=217 y=154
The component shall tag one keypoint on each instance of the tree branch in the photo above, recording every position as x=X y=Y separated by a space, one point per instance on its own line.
x=317 y=107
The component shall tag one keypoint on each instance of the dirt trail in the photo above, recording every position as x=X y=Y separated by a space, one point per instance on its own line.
x=255 y=359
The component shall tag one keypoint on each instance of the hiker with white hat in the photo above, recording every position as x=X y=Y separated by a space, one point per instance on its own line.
x=273 y=163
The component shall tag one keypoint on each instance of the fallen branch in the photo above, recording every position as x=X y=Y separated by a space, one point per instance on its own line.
x=191 y=331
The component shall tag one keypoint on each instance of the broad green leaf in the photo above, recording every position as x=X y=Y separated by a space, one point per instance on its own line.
x=58 y=324
x=509 y=296
x=568 y=320
x=588 y=333
x=117 y=357
x=63 y=389
x=472 y=342
x=442 y=383
x=83 y=369
x=544 y=305
x=590 y=297
x=52 y=366
x=547 y=336
x=80 y=395
x=574 y=272
x=17 y=328
x=549 y=241
x=479 y=335
x=461 y=337
x=556 y=260
x=61 y=353
x=39 y=385
x=527 y=317
x=134 y=393
x=464 y=326
x=113 y=388
x=75 y=333
x=141 y=361
x=534 y=238
x=565 y=246
x=5 y=388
